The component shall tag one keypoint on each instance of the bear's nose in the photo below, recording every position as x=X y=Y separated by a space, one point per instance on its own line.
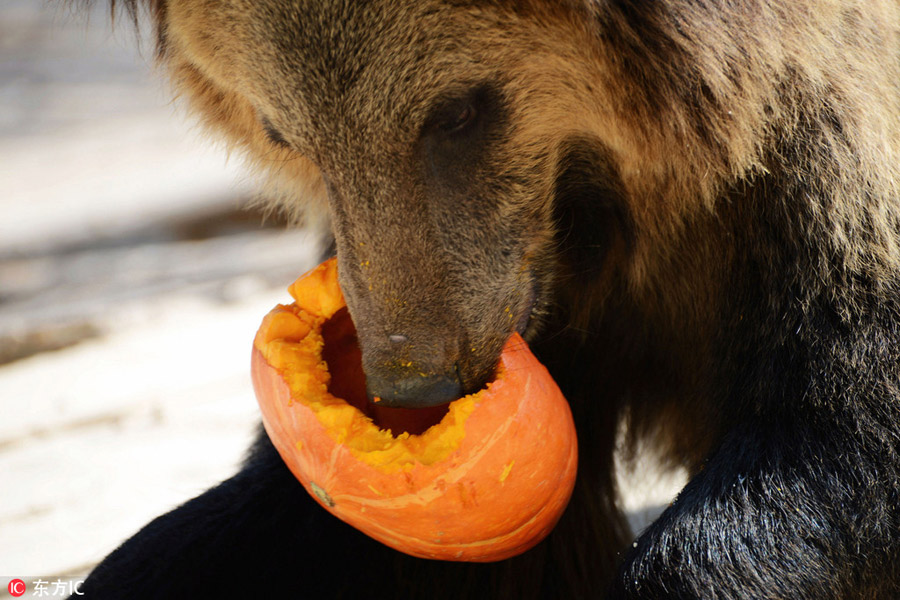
x=413 y=391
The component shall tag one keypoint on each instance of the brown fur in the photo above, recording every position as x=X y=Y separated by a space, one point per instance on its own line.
x=740 y=161
x=737 y=84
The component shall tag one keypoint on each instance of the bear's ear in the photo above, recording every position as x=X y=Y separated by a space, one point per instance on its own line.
x=590 y=208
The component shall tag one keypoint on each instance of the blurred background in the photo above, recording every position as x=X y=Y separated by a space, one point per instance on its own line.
x=133 y=276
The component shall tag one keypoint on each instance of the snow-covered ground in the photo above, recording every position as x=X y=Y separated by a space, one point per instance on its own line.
x=132 y=392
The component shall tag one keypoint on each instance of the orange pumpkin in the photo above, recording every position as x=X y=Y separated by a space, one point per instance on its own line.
x=482 y=479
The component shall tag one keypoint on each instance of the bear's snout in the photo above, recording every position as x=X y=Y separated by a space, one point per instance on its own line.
x=415 y=390
x=410 y=373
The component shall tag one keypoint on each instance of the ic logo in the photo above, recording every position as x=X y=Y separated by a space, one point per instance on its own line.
x=16 y=587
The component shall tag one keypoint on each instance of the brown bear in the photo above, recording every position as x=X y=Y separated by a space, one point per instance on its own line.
x=689 y=208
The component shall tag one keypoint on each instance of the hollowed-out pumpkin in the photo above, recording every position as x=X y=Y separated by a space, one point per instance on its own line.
x=482 y=479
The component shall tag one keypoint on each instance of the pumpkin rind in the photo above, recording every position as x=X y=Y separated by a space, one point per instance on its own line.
x=495 y=488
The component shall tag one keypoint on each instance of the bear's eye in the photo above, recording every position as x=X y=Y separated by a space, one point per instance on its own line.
x=273 y=134
x=464 y=118
x=460 y=131
x=458 y=113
